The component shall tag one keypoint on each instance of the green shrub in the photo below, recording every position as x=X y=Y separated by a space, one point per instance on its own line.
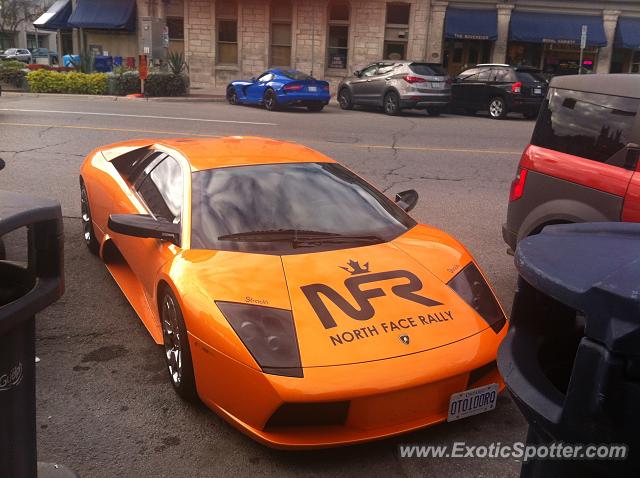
x=166 y=84
x=43 y=81
x=13 y=77
x=122 y=83
x=12 y=64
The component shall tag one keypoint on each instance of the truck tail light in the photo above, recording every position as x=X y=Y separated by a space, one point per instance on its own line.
x=517 y=186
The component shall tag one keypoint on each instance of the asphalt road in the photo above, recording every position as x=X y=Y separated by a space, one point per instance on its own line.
x=105 y=405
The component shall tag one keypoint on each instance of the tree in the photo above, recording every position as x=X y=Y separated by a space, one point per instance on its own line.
x=15 y=12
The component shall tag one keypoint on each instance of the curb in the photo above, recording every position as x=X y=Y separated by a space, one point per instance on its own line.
x=167 y=99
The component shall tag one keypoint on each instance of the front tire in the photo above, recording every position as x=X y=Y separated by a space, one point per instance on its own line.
x=232 y=96
x=497 y=108
x=177 y=352
x=315 y=108
x=434 y=110
x=270 y=100
x=391 y=104
x=344 y=99
x=87 y=224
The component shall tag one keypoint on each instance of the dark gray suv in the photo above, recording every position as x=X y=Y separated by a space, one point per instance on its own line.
x=397 y=85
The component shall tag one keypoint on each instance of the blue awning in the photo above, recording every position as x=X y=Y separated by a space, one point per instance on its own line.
x=111 y=15
x=56 y=17
x=466 y=24
x=628 y=32
x=538 y=27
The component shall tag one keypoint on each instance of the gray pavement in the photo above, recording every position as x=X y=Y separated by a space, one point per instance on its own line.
x=105 y=406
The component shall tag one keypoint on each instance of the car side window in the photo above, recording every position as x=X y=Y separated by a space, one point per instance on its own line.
x=588 y=125
x=161 y=189
x=383 y=69
x=369 y=71
x=469 y=75
x=484 y=74
x=266 y=77
x=501 y=75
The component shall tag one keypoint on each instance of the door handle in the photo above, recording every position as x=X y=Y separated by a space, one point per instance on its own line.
x=388 y=78
x=368 y=81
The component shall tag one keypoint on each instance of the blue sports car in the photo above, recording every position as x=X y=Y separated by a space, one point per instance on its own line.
x=280 y=88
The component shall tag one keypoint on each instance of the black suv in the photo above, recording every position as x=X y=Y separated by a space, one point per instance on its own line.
x=500 y=89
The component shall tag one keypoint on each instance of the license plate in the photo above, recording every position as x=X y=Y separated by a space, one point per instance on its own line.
x=537 y=91
x=437 y=85
x=471 y=402
x=312 y=88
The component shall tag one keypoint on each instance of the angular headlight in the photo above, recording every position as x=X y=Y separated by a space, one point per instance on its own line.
x=269 y=335
x=472 y=288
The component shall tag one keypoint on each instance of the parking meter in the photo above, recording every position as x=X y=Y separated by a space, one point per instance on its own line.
x=26 y=288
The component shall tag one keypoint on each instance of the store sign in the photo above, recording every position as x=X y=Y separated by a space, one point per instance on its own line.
x=465 y=36
x=583 y=37
x=337 y=61
x=559 y=42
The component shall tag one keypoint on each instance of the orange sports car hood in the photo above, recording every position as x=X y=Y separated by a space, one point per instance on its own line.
x=372 y=303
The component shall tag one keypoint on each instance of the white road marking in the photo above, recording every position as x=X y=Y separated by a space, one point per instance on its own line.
x=120 y=115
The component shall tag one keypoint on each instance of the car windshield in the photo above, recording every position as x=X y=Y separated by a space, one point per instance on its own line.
x=530 y=76
x=427 y=69
x=289 y=208
x=295 y=75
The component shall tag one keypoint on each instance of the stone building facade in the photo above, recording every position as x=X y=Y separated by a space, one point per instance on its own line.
x=229 y=39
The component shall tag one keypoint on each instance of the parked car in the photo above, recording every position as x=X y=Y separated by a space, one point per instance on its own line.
x=397 y=85
x=278 y=88
x=500 y=89
x=19 y=54
x=582 y=164
x=50 y=56
x=243 y=257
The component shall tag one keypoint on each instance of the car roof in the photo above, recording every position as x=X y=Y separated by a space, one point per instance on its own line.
x=210 y=153
x=614 y=84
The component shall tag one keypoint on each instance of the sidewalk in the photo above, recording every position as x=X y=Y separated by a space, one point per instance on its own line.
x=196 y=96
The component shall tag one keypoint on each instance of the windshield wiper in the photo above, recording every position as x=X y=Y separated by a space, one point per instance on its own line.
x=297 y=236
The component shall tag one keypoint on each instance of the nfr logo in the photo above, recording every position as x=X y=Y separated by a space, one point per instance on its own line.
x=360 y=277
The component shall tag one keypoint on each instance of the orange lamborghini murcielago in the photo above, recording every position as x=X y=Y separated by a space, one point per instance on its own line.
x=289 y=295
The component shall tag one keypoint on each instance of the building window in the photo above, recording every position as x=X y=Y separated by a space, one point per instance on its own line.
x=176 y=28
x=396 y=34
x=227 y=23
x=281 y=14
x=6 y=41
x=338 y=38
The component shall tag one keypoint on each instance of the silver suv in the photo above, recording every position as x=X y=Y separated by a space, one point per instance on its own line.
x=397 y=85
x=19 y=54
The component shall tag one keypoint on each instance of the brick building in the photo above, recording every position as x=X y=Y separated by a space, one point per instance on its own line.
x=230 y=39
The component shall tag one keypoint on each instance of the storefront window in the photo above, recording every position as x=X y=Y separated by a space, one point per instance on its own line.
x=227 y=22
x=35 y=42
x=519 y=53
x=338 y=41
x=396 y=31
x=281 y=15
x=635 y=62
x=176 y=28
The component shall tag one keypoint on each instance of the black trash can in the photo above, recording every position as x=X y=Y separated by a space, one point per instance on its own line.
x=26 y=287
x=571 y=358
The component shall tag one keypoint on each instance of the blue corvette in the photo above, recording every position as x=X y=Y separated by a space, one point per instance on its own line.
x=280 y=88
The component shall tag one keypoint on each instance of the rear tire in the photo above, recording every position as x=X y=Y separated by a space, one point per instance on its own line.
x=497 y=108
x=270 y=100
x=232 y=96
x=344 y=99
x=391 y=104
x=434 y=110
x=87 y=223
x=315 y=108
x=177 y=352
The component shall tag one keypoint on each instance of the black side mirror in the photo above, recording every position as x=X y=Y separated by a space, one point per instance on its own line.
x=143 y=225
x=407 y=200
x=357 y=73
x=2 y=164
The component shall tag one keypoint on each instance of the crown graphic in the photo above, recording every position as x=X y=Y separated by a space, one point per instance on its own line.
x=353 y=267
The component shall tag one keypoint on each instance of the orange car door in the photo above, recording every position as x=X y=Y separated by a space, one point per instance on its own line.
x=160 y=189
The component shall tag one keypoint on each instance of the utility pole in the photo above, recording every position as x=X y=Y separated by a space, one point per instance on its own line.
x=313 y=35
